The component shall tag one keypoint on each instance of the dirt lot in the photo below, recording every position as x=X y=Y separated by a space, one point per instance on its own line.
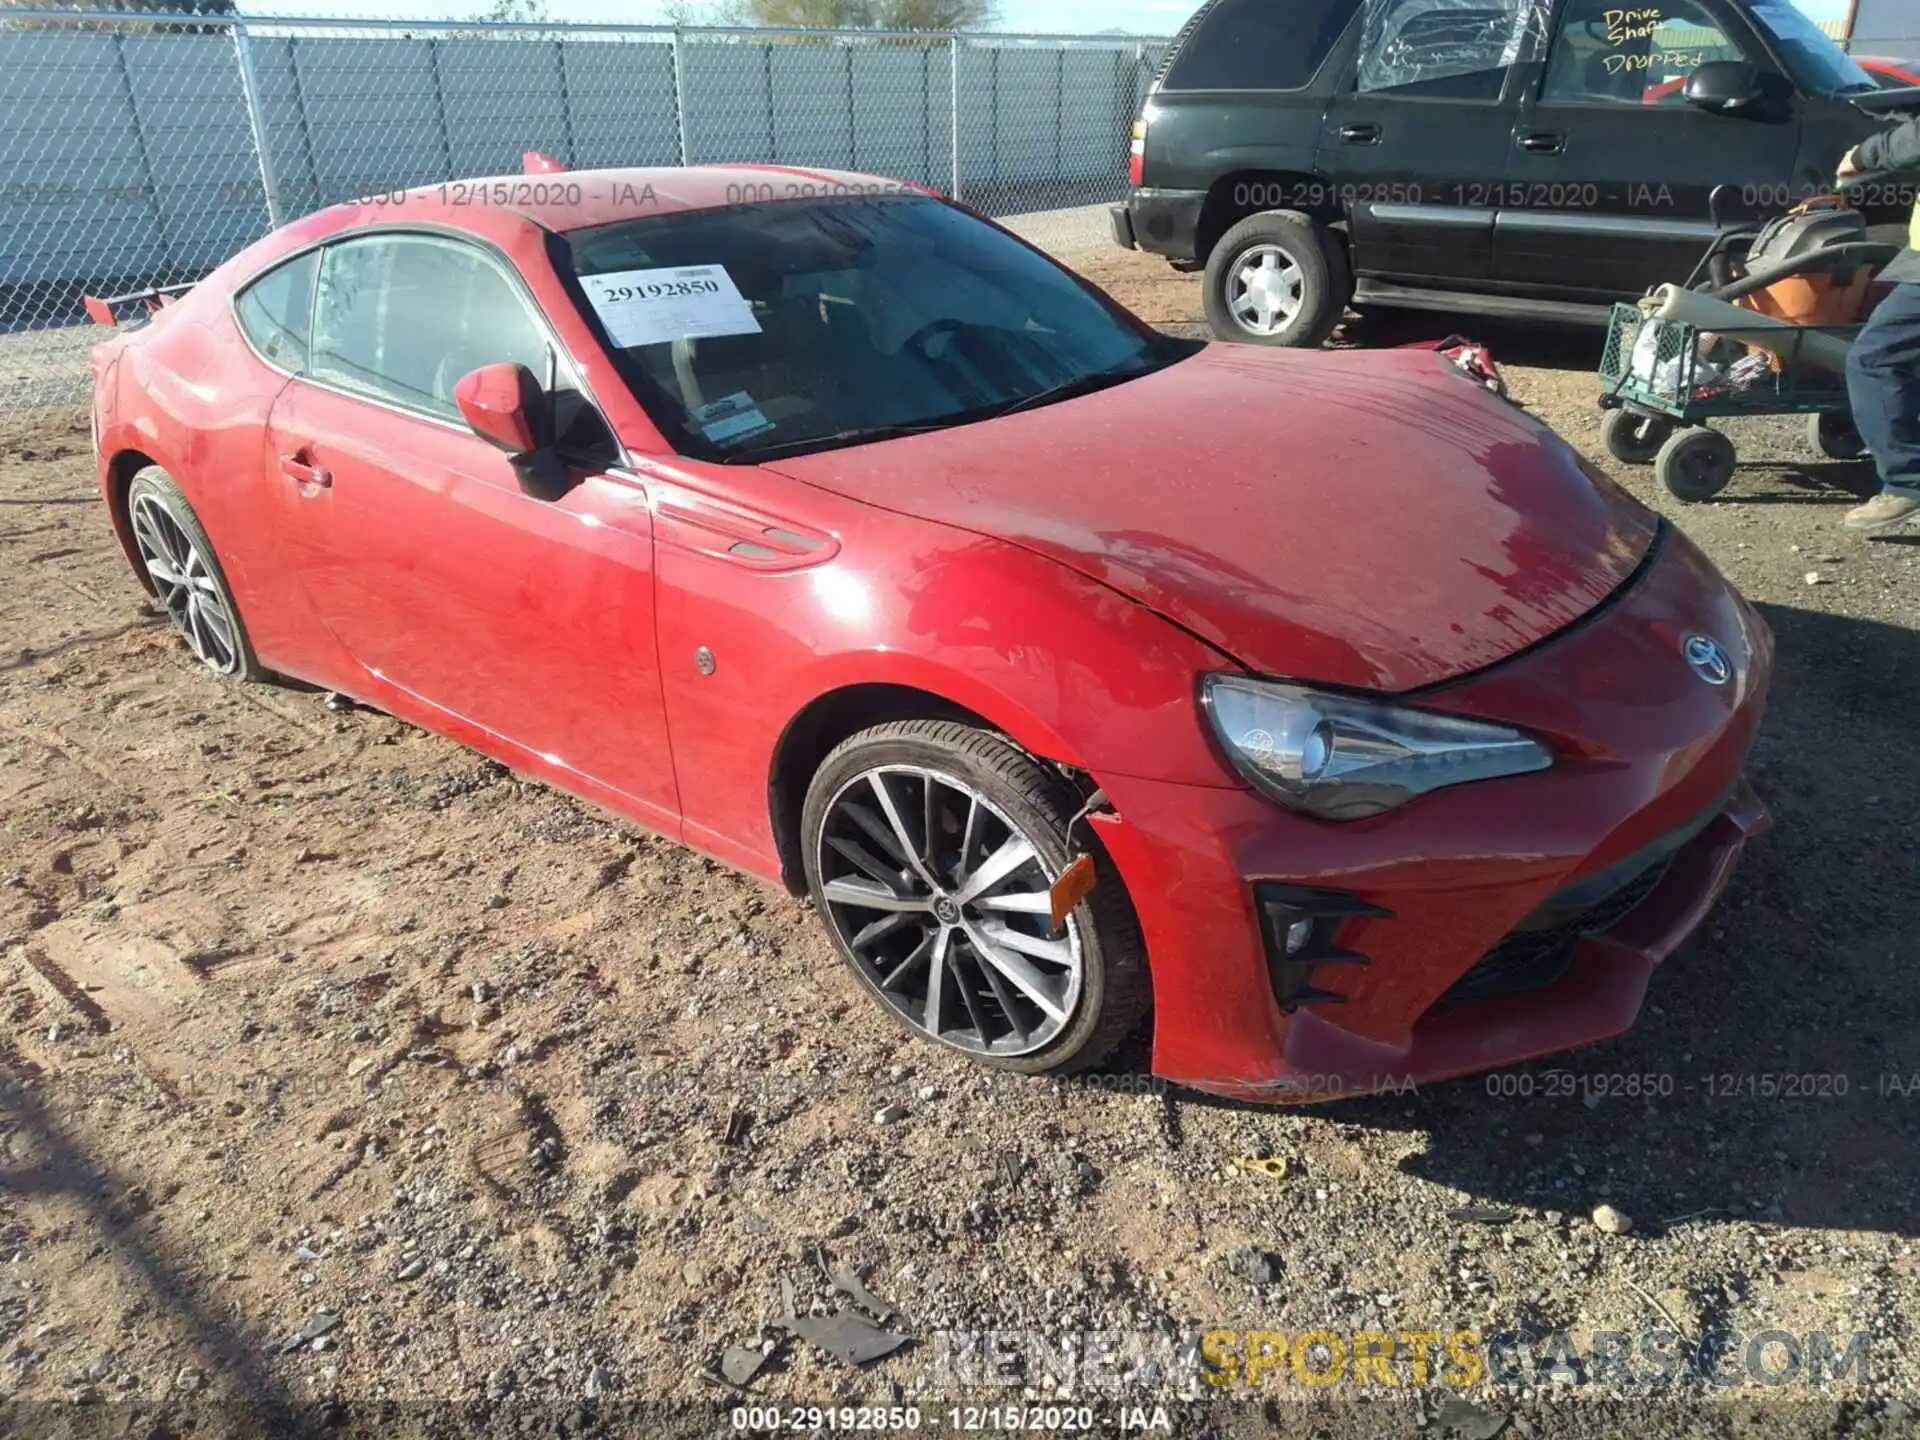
x=307 y=1014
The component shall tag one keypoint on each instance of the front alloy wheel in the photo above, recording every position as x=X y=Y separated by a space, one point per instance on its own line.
x=945 y=906
x=932 y=851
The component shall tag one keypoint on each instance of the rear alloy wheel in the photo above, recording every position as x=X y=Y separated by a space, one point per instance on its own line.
x=1634 y=439
x=186 y=577
x=1277 y=278
x=1695 y=464
x=932 y=849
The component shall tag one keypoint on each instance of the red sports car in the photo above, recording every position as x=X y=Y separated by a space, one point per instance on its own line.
x=1325 y=704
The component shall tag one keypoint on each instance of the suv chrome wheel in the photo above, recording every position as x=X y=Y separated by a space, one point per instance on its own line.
x=1267 y=290
x=946 y=907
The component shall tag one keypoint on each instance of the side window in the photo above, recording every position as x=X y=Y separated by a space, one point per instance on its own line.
x=1254 y=45
x=275 y=309
x=1442 y=49
x=1604 y=53
x=404 y=317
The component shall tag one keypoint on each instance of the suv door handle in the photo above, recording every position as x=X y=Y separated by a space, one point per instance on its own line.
x=298 y=466
x=1360 y=134
x=1541 y=143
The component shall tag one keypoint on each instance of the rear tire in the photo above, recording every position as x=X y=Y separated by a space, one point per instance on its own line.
x=1277 y=278
x=185 y=574
x=1634 y=439
x=1695 y=464
x=906 y=816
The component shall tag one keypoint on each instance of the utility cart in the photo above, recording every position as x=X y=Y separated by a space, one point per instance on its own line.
x=1761 y=327
x=1667 y=379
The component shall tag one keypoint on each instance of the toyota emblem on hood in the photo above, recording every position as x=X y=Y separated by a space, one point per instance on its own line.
x=1708 y=660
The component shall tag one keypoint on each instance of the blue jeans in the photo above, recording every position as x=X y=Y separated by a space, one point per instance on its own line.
x=1883 y=384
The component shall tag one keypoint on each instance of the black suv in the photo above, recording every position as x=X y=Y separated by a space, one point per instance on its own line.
x=1527 y=157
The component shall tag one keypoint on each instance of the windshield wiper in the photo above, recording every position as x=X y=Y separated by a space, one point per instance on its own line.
x=864 y=434
x=1068 y=389
x=856 y=435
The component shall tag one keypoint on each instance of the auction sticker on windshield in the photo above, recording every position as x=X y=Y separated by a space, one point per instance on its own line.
x=730 y=420
x=652 y=307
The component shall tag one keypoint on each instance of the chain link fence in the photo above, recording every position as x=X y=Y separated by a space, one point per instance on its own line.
x=143 y=149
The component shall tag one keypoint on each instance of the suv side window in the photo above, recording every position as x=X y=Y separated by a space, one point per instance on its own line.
x=1254 y=45
x=276 y=311
x=1605 y=52
x=1442 y=49
x=402 y=318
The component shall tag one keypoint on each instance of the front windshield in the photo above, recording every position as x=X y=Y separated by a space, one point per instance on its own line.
x=762 y=330
x=1820 y=66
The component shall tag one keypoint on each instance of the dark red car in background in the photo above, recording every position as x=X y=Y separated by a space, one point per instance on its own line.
x=817 y=523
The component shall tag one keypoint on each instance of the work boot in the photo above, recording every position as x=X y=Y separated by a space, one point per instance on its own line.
x=1886 y=511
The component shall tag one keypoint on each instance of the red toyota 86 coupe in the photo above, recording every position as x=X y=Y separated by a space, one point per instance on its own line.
x=1326 y=705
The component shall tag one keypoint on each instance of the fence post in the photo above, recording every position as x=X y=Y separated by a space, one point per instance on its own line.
x=954 y=78
x=680 y=97
x=257 y=123
x=152 y=185
x=566 y=103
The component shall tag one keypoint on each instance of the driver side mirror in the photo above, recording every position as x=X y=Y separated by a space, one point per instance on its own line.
x=505 y=406
x=1726 y=87
x=501 y=404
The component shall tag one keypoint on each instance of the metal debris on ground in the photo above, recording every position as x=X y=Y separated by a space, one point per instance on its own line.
x=846 y=1335
x=1468 y=1420
x=735 y=1129
x=1274 y=1167
x=1252 y=1264
x=848 y=1284
x=319 y=1323
x=1481 y=1214
x=740 y=1366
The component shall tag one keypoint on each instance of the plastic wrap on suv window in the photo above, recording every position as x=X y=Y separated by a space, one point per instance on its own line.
x=1416 y=42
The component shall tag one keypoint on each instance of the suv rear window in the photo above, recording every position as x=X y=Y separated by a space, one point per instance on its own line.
x=1258 y=45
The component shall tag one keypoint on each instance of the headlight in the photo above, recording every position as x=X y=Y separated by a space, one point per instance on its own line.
x=1343 y=759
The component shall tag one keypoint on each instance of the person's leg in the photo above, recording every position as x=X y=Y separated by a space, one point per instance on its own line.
x=1883 y=386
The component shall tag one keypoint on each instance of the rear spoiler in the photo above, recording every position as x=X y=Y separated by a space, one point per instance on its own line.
x=101 y=311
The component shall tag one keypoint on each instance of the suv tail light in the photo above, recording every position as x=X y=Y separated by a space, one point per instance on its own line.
x=1137 y=155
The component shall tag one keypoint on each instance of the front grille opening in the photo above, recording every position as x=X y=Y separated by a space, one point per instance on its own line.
x=1529 y=960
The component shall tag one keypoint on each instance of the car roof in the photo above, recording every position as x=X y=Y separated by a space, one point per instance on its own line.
x=577 y=199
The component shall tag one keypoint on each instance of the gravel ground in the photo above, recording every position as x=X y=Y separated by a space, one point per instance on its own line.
x=337 y=1065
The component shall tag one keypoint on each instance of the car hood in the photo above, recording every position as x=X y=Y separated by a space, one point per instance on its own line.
x=1367 y=519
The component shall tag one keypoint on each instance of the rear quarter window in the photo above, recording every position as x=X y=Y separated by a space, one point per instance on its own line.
x=1258 y=44
x=275 y=312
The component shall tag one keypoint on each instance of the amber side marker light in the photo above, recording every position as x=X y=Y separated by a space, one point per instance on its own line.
x=1074 y=885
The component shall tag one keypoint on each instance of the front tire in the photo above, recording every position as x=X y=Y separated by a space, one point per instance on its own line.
x=1695 y=464
x=930 y=850
x=1277 y=278
x=1634 y=439
x=186 y=577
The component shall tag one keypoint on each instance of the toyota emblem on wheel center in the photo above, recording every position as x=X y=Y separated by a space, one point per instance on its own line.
x=1708 y=660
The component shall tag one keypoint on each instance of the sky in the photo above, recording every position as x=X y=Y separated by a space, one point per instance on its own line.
x=1046 y=17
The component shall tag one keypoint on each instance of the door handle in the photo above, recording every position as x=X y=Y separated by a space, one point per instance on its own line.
x=1541 y=143
x=1360 y=134
x=298 y=467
